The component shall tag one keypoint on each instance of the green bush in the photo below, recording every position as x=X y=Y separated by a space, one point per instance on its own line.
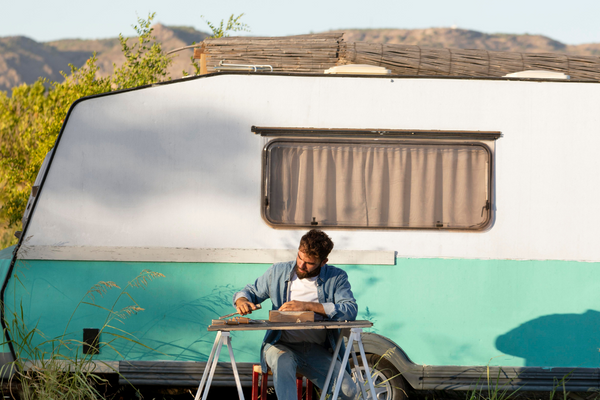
x=32 y=117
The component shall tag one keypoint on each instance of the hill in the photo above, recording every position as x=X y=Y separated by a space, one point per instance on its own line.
x=469 y=39
x=23 y=60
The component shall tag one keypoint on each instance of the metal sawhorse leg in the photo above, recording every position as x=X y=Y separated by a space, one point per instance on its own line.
x=222 y=339
x=355 y=336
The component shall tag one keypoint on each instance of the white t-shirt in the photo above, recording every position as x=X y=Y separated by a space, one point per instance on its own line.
x=304 y=290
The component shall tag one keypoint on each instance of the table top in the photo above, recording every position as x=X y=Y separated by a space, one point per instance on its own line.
x=261 y=325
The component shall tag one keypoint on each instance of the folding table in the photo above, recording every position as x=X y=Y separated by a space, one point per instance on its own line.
x=355 y=328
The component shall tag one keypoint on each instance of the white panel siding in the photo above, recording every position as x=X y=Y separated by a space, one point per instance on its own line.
x=177 y=166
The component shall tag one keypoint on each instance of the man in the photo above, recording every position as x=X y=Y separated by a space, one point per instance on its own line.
x=307 y=284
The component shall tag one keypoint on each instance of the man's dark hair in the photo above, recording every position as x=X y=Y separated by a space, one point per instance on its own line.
x=316 y=243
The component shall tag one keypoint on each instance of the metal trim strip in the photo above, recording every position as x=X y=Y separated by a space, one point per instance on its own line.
x=375 y=133
x=173 y=373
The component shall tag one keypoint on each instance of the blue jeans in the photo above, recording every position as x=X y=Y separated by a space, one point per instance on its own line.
x=309 y=359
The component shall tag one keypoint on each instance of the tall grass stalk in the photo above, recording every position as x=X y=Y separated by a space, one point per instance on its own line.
x=562 y=383
x=494 y=390
x=53 y=368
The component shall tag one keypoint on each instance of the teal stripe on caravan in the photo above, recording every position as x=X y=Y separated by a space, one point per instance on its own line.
x=6 y=256
x=440 y=311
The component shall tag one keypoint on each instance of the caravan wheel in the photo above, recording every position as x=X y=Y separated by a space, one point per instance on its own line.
x=388 y=382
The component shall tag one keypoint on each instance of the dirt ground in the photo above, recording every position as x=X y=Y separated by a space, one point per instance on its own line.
x=225 y=393
x=116 y=392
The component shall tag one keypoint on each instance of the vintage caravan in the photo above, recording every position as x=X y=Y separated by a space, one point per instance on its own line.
x=461 y=209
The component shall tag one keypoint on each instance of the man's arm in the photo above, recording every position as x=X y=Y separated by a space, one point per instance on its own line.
x=246 y=299
x=343 y=307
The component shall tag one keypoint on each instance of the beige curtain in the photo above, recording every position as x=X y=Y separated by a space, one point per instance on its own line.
x=377 y=185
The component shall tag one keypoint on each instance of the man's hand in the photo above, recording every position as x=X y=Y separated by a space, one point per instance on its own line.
x=296 y=305
x=244 y=306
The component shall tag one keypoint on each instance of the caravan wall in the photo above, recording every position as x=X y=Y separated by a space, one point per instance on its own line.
x=461 y=209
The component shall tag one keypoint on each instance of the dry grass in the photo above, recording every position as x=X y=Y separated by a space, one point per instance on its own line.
x=52 y=368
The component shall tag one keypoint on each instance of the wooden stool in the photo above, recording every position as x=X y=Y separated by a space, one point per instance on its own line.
x=264 y=383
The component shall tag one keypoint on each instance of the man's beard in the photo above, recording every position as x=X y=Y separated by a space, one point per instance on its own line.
x=307 y=274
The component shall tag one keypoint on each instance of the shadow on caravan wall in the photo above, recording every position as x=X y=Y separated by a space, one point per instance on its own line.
x=555 y=340
x=133 y=164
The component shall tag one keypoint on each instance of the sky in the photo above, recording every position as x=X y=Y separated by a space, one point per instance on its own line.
x=570 y=22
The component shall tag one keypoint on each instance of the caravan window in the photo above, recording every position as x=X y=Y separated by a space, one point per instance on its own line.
x=372 y=184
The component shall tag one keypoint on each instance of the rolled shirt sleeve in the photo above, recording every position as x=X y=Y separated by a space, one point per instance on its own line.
x=343 y=307
x=257 y=292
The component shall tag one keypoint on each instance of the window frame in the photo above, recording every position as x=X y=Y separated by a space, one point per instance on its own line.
x=370 y=139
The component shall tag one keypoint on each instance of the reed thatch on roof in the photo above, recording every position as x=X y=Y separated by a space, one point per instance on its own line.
x=316 y=53
x=417 y=60
x=303 y=53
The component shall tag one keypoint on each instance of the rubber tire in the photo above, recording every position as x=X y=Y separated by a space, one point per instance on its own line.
x=397 y=386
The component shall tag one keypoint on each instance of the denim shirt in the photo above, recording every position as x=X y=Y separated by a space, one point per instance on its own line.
x=333 y=290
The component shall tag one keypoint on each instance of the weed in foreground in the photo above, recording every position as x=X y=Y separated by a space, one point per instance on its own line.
x=52 y=368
